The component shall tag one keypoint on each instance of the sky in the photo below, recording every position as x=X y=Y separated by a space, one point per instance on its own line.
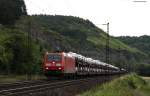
x=126 y=18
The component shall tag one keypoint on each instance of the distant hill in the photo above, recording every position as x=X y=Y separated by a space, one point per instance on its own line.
x=79 y=30
x=73 y=34
x=142 y=43
x=47 y=33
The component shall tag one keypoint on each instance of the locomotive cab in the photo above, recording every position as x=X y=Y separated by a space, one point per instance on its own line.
x=53 y=64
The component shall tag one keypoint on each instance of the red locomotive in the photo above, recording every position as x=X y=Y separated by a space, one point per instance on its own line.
x=58 y=64
x=61 y=63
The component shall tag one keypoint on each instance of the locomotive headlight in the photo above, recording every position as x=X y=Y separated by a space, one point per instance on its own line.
x=59 y=68
x=58 y=64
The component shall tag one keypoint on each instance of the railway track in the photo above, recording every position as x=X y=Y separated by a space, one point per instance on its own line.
x=39 y=87
x=20 y=84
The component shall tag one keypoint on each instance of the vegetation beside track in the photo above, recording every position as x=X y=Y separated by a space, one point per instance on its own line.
x=16 y=78
x=128 y=85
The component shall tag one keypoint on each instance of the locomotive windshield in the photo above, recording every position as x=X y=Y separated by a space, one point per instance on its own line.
x=54 y=57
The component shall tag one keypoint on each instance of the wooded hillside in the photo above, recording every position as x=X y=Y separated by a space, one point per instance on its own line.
x=24 y=39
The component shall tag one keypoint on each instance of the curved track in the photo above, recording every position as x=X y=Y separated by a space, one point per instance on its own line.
x=33 y=87
x=9 y=86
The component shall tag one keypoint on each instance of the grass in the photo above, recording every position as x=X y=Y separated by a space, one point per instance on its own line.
x=16 y=78
x=128 y=85
x=147 y=88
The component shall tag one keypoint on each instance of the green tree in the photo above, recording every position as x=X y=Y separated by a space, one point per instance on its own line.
x=26 y=54
x=17 y=55
x=11 y=10
x=144 y=69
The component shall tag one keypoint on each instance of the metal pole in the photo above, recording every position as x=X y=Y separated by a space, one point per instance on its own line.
x=107 y=48
x=107 y=45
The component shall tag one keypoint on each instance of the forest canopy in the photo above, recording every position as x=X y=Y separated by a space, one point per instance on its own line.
x=11 y=10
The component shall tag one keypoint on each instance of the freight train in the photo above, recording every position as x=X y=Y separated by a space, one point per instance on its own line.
x=69 y=64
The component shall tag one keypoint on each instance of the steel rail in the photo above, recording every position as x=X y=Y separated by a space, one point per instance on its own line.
x=42 y=87
x=9 y=86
